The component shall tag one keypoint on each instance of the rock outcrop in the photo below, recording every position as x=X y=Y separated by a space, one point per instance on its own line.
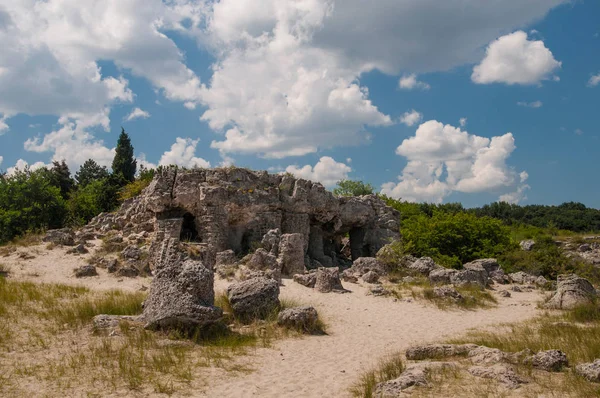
x=254 y=298
x=299 y=318
x=328 y=280
x=64 y=237
x=590 y=371
x=571 y=292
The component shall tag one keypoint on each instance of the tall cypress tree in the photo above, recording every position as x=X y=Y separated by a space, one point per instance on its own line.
x=124 y=163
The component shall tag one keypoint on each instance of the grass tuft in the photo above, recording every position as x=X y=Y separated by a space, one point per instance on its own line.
x=388 y=368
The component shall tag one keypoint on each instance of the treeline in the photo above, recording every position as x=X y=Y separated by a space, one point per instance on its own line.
x=47 y=198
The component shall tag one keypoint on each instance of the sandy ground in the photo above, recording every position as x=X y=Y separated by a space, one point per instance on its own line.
x=361 y=330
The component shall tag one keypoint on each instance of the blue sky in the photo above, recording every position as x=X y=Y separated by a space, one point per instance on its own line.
x=313 y=87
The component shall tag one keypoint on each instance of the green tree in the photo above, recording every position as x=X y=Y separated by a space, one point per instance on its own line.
x=352 y=188
x=124 y=163
x=60 y=176
x=89 y=172
x=84 y=204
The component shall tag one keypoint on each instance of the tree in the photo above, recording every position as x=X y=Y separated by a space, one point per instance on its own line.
x=352 y=188
x=60 y=177
x=89 y=172
x=124 y=163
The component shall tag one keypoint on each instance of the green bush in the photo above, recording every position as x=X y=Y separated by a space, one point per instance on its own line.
x=453 y=239
x=352 y=188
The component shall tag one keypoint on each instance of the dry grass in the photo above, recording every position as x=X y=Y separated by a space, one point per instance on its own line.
x=388 y=368
x=4 y=270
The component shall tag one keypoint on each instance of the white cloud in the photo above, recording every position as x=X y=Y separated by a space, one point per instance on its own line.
x=137 y=113
x=327 y=171
x=463 y=121
x=512 y=59
x=594 y=80
x=578 y=131
x=1 y=159
x=22 y=164
x=182 y=154
x=410 y=82
x=443 y=158
x=3 y=126
x=534 y=104
x=520 y=194
x=411 y=118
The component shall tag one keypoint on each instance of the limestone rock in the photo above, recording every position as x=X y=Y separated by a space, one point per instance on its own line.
x=307 y=280
x=527 y=245
x=436 y=351
x=127 y=272
x=131 y=253
x=226 y=257
x=414 y=375
x=299 y=318
x=85 y=271
x=442 y=276
x=504 y=293
x=181 y=295
x=522 y=278
x=447 y=292
x=590 y=371
x=113 y=321
x=551 y=360
x=371 y=277
x=79 y=249
x=254 y=298
x=379 y=290
x=264 y=261
x=363 y=265
x=502 y=373
x=64 y=237
x=571 y=292
x=470 y=277
x=328 y=280
x=270 y=241
x=424 y=265
x=291 y=254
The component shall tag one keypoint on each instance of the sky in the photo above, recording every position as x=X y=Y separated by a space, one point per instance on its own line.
x=457 y=101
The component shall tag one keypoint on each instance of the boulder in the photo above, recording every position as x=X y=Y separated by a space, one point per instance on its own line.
x=131 y=253
x=501 y=373
x=584 y=248
x=590 y=371
x=85 y=271
x=379 y=291
x=307 y=280
x=291 y=254
x=550 y=360
x=414 y=375
x=424 y=265
x=571 y=292
x=442 y=276
x=523 y=278
x=226 y=257
x=254 y=298
x=328 y=280
x=489 y=265
x=504 y=293
x=447 y=292
x=363 y=265
x=436 y=351
x=79 y=249
x=371 y=277
x=64 y=237
x=470 y=277
x=527 y=245
x=113 y=321
x=270 y=241
x=349 y=276
x=127 y=272
x=181 y=295
x=299 y=318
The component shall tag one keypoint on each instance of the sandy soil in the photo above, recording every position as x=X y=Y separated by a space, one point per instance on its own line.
x=361 y=330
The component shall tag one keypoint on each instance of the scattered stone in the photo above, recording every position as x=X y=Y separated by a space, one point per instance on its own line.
x=262 y=260
x=64 y=237
x=299 y=318
x=571 y=292
x=502 y=373
x=371 y=277
x=470 y=277
x=414 y=375
x=504 y=293
x=270 y=241
x=436 y=351
x=424 y=265
x=307 y=280
x=551 y=360
x=364 y=265
x=379 y=291
x=349 y=276
x=409 y=279
x=291 y=254
x=113 y=321
x=590 y=371
x=127 y=272
x=79 y=249
x=527 y=245
x=226 y=257
x=442 y=276
x=131 y=253
x=328 y=280
x=254 y=298
x=85 y=271
x=584 y=248
x=516 y=289
x=522 y=278
x=447 y=292
x=113 y=266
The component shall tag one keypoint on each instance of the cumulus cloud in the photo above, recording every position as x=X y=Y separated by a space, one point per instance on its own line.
x=410 y=82
x=137 y=113
x=1 y=159
x=463 y=121
x=443 y=158
x=3 y=126
x=520 y=194
x=411 y=118
x=534 y=104
x=22 y=165
x=512 y=59
x=182 y=153
x=327 y=171
x=594 y=80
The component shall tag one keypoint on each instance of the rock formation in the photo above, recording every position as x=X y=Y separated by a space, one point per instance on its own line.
x=571 y=292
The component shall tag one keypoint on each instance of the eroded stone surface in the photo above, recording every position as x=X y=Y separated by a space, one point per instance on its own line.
x=571 y=291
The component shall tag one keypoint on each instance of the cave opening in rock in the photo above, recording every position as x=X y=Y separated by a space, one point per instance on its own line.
x=189 y=233
x=357 y=243
x=247 y=244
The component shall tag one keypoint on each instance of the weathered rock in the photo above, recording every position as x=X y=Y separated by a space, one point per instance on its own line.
x=414 y=375
x=590 y=371
x=502 y=373
x=522 y=278
x=516 y=289
x=85 y=271
x=131 y=253
x=270 y=241
x=254 y=299
x=571 y=292
x=291 y=254
x=584 y=247
x=113 y=321
x=379 y=290
x=79 y=249
x=299 y=318
x=363 y=265
x=182 y=293
x=349 y=276
x=371 y=277
x=424 y=265
x=328 y=280
x=226 y=257
x=504 y=293
x=442 y=276
x=527 y=245
x=447 y=292
x=307 y=280
x=262 y=260
x=551 y=360
x=489 y=265
x=470 y=277
x=127 y=272
x=64 y=237
x=437 y=351
x=112 y=266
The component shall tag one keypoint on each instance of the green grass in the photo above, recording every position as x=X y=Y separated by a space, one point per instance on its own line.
x=388 y=368
x=473 y=297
